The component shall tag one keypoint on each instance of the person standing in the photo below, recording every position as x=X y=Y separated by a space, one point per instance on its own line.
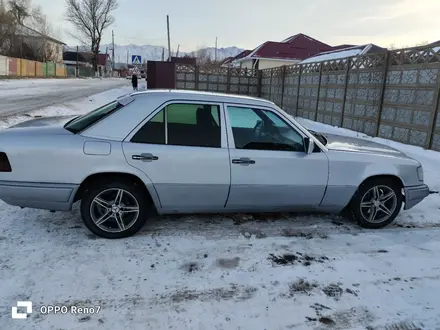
x=134 y=81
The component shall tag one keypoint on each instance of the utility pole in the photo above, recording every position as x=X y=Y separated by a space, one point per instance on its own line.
x=163 y=54
x=77 y=68
x=113 y=52
x=177 y=53
x=215 y=53
x=105 y=62
x=169 y=41
x=127 y=59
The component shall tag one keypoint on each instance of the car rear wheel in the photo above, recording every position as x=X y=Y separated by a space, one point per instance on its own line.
x=114 y=209
x=377 y=203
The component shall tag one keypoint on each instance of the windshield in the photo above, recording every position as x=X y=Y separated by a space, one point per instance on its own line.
x=80 y=123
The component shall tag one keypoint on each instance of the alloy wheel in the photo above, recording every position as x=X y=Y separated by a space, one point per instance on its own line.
x=378 y=204
x=114 y=210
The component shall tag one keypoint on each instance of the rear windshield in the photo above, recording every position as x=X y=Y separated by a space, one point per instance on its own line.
x=82 y=122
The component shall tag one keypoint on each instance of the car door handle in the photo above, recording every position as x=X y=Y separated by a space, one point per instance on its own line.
x=145 y=157
x=243 y=161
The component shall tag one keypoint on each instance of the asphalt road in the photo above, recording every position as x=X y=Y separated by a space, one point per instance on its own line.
x=21 y=97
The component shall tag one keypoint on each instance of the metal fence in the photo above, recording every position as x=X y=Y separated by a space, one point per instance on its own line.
x=215 y=79
x=394 y=95
x=18 y=67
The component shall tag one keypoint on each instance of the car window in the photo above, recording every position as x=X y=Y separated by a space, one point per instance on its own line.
x=82 y=122
x=196 y=125
x=153 y=132
x=258 y=129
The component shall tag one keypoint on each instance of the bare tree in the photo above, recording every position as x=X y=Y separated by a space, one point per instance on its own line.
x=42 y=49
x=202 y=56
x=91 y=18
x=20 y=10
x=7 y=29
x=24 y=31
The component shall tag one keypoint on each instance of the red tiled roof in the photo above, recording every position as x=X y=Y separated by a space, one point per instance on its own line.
x=297 y=47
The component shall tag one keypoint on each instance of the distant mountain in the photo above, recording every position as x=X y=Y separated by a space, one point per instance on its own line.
x=154 y=53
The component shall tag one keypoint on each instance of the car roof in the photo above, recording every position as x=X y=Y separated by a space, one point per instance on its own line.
x=202 y=96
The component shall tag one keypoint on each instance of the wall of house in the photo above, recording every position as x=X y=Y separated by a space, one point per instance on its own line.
x=4 y=66
x=267 y=64
x=57 y=51
x=245 y=64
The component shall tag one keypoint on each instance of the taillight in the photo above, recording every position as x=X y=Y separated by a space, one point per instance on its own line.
x=5 y=166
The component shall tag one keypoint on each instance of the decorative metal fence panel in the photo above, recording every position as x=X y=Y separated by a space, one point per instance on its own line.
x=290 y=90
x=332 y=92
x=410 y=99
x=185 y=76
x=214 y=79
x=364 y=93
x=276 y=86
x=308 y=90
x=266 y=82
x=244 y=81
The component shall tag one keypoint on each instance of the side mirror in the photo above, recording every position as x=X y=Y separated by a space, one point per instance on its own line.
x=309 y=145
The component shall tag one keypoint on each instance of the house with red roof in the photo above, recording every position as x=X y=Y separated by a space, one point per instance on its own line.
x=230 y=61
x=290 y=51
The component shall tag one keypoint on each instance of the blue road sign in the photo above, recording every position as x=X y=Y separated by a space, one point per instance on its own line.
x=136 y=59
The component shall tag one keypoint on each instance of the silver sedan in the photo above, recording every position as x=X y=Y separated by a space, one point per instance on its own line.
x=169 y=151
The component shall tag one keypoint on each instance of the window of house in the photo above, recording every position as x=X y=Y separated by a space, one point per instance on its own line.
x=195 y=125
x=257 y=129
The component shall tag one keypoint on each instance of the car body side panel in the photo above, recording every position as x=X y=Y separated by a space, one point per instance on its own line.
x=44 y=160
x=279 y=180
x=349 y=169
x=48 y=196
x=187 y=179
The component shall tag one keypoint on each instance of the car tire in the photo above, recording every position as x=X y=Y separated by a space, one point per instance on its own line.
x=365 y=203
x=131 y=192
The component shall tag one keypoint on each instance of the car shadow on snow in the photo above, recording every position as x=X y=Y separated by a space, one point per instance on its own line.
x=211 y=226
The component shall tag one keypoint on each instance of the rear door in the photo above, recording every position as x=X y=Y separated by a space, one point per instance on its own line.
x=270 y=169
x=182 y=148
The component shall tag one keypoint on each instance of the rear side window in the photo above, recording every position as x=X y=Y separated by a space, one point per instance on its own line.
x=192 y=125
x=153 y=131
x=81 y=123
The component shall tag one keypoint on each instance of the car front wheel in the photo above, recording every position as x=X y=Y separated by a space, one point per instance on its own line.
x=114 y=209
x=377 y=203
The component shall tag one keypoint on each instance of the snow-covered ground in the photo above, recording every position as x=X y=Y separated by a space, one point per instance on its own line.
x=276 y=271
x=23 y=95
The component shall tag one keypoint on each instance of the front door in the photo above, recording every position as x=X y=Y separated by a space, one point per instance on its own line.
x=270 y=169
x=182 y=148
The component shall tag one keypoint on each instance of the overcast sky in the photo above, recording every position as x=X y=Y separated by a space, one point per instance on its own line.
x=246 y=23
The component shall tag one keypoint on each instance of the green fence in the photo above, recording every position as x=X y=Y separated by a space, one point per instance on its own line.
x=49 y=69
